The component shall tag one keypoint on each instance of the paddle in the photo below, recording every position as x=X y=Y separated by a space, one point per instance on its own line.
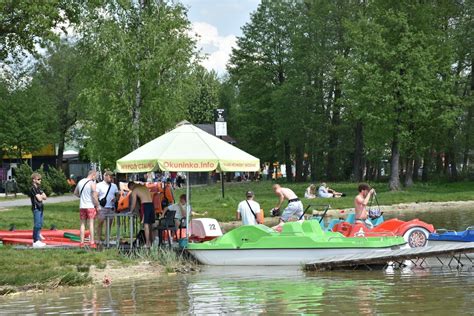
x=326 y=208
x=72 y=237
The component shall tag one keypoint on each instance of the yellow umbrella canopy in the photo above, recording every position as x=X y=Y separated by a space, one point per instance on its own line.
x=187 y=148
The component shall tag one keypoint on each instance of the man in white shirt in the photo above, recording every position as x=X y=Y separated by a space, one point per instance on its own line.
x=249 y=210
x=108 y=191
x=86 y=191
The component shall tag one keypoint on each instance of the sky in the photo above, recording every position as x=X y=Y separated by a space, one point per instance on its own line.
x=218 y=24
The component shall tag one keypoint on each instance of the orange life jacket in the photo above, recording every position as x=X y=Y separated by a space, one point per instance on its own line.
x=124 y=201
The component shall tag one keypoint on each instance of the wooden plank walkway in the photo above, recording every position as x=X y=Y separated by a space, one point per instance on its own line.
x=352 y=261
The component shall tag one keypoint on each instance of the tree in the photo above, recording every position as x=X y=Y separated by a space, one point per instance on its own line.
x=25 y=24
x=59 y=74
x=400 y=68
x=259 y=68
x=140 y=59
x=23 y=108
x=203 y=96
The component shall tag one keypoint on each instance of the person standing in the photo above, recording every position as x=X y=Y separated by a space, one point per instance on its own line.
x=141 y=192
x=294 y=208
x=107 y=191
x=249 y=210
x=86 y=191
x=37 y=197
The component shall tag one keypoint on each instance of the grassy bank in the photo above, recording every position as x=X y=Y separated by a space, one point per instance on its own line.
x=47 y=268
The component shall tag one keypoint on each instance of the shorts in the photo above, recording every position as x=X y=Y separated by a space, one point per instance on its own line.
x=293 y=208
x=105 y=211
x=87 y=213
x=148 y=213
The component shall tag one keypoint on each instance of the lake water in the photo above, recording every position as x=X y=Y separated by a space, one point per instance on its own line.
x=275 y=290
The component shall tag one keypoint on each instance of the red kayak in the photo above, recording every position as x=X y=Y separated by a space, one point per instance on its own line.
x=48 y=241
x=22 y=234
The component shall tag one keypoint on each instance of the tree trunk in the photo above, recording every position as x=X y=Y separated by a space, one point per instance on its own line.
x=313 y=162
x=451 y=164
x=416 y=167
x=59 y=159
x=467 y=140
x=439 y=163
x=331 y=169
x=357 y=169
x=409 y=172
x=305 y=168
x=426 y=166
x=299 y=164
x=394 y=182
x=288 y=162
x=136 y=116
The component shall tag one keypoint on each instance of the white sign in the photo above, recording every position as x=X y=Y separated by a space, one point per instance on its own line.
x=221 y=128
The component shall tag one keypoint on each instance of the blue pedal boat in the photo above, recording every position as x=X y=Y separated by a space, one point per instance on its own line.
x=442 y=236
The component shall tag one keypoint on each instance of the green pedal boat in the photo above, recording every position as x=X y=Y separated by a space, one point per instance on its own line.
x=298 y=243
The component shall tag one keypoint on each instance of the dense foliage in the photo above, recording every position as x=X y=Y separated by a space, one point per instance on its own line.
x=354 y=90
x=358 y=90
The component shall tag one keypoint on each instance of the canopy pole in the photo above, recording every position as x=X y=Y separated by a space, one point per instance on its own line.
x=222 y=183
x=188 y=206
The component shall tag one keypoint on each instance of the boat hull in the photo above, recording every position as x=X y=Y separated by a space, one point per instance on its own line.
x=275 y=257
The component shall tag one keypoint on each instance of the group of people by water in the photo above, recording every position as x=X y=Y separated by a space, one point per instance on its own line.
x=98 y=200
x=249 y=210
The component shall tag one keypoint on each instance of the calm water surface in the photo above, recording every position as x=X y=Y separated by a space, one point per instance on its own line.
x=274 y=290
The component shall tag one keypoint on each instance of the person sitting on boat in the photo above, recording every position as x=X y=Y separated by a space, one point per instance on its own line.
x=180 y=209
x=249 y=210
x=294 y=208
x=361 y=201
x=325 y=192
x=310 y=192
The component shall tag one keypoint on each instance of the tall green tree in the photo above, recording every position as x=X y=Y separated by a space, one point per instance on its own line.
x=259 y=66
x=399 y=67
x=203 y=96
x=59 y=73
x=141 y=57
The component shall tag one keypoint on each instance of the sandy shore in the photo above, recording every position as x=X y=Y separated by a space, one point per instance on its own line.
x=115 y=271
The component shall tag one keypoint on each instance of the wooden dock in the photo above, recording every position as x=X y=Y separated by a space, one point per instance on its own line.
x=455 y=253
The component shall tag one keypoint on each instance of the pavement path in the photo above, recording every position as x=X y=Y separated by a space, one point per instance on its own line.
x=6 y=204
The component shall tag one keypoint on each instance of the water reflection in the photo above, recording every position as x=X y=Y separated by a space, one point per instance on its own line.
x=273 y=290
x=286 y=290
x=449 y=219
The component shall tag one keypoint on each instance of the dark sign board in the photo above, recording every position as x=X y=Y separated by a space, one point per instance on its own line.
x=219 y=115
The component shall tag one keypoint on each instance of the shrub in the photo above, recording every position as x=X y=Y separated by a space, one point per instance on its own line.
x=23 y=179
x=57 y=180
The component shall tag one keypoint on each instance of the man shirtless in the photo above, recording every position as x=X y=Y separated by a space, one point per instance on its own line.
x=361 y=201
x=139 y=191
x=295 y=206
